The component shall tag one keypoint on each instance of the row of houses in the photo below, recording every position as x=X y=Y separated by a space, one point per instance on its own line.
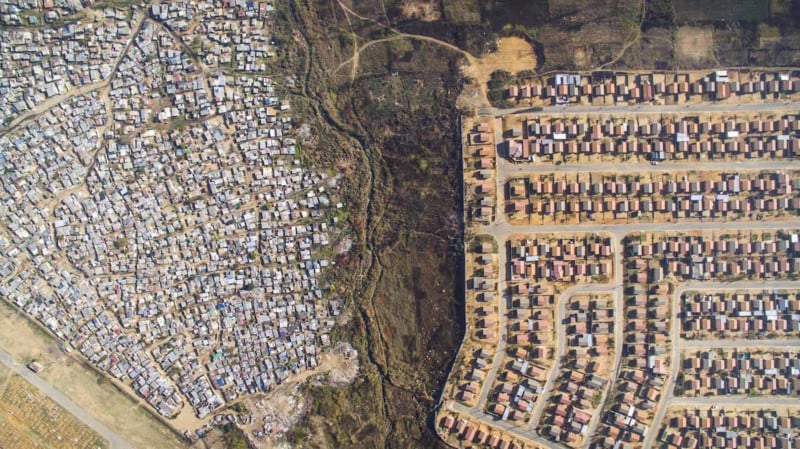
x=773 y=183
x=703 y=258
x=514 y=399
x=572 y=406
x=639 y=385
x=765 y=429
x=567 y=260
x=479 y=160
x=469 y=433
x=740 y=313
x=691 y=128
x=742 y=372
x=570 y=411
x=644 y=88
x=656 y=149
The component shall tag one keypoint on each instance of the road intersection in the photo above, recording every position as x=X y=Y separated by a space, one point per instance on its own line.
x=502 y=230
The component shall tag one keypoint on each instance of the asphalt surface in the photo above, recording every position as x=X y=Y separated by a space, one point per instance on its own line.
x=521 y=169
x=502 y=231
x=116 y=441
x=625 y=109
x=678 y=344
x=736 y=344
x=736 y=401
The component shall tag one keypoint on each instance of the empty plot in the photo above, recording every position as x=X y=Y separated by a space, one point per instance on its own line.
x=694 y=44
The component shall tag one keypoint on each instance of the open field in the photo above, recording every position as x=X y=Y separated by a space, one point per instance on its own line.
x=694 y=44
x=4 y=376
x=83 y=386
x=29 y=419
x=707 y=10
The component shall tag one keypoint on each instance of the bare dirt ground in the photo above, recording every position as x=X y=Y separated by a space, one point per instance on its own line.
x=425 y=10
x=114 y=409
x=513 y=54
x=270 y=416
x=694 y=44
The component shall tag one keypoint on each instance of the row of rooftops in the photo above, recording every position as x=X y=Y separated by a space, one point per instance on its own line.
x=743 y=372
x=689 y=126
x=733 y=429
x=653 y=139
x=643 y=367
x=470 y=432
x=622 y=87
x=570 y=411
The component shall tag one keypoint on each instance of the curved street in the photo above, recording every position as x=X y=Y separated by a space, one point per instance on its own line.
x=503 y=231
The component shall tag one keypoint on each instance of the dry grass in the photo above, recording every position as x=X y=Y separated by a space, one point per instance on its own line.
x=513 y=54
x=29 y=419
x=424 y=10
x=694 y=44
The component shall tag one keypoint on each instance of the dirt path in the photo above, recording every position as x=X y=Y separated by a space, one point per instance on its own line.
x=630 y=42
x=399 y=35
x=513 y=54
x=51 y=102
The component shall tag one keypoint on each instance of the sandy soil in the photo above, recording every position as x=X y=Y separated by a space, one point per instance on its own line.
x=694 y=44
x=425 y=10
x=513 y=54
x=271 y=415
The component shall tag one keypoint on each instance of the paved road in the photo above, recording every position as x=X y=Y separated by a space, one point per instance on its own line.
x=734 y=344
x=625 y=109
x=678 y=344
x=116 y=441
x=510 y=169
x=519 y=432
x=502 y=231
x=737 y=401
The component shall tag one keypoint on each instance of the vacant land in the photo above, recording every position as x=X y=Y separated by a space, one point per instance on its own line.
x=82 y=385
x=29 y=419
x=392 y=126
x=694 y=44
x=709 y=10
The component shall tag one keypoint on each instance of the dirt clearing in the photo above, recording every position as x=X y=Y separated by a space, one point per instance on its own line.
x=513 y=54
x=694 y=44
x=425 y=10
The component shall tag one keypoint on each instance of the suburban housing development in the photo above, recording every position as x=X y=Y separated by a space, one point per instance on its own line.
x=632 y=264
